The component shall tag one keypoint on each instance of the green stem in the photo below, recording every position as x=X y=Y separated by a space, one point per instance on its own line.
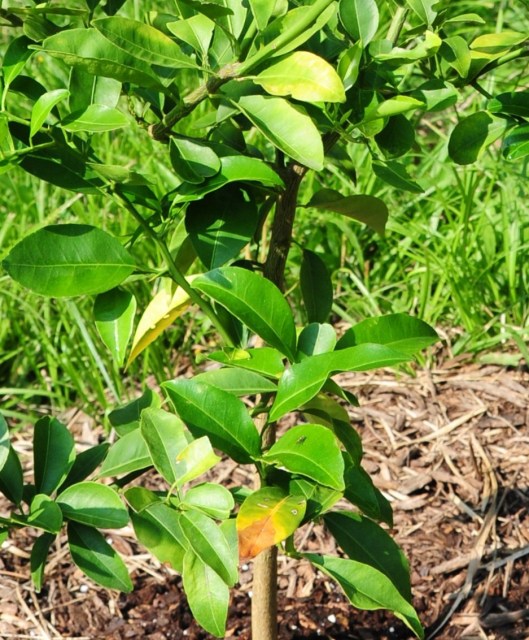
x=173 y=270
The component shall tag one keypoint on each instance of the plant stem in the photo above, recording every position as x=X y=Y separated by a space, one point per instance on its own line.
x=396 y=25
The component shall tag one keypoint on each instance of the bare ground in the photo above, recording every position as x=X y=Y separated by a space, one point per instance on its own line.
x=450 y=449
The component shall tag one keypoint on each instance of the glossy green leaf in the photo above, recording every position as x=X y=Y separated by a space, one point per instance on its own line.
x=193 y=161
x=255 y=301
x=209 y=411
x=129 y=453
x=207 y=594
x=424 y=9
x=286 y=126
x=127 y=417
x=97 y=559
x=267 y=516
x=423 y=48
x=221 y=225
x=312 y=451
x=164 y=434
x=193 y=461
x=96 y=118
x=114 y=313
x=88 y=50
x=15 y=57
x=212 y=499
x=69 y=260
x=472 y=135
x=365 y=541
x=208 y=542
x=53 y=454
x=43 y=107
x=399 y=331
x=315 y=339
x=93 y=504
x=497 y=43
x=514 y=103
x=86 y=463
x=303 y=380
x=262 y=11
x=39 y=554
x=367 y=588
x=45 y=514
x=397 y=137
x=158 y=528
x=304 y=76
x=361 y=492
x=196 y=31
x=11 y=478
x=63 y=168
x=516 y=144
x=237 y=382
x=233 y=169
x=370 y=210
x=265 y=360
x=316 y=287
x=143 y=42
x=349 y=65
x=392 y=107
x=86 y=89
x=436 y=95
x=319 y=498
x=396 y=175
x=456 y=52
x=4 y=441
x=360 y=19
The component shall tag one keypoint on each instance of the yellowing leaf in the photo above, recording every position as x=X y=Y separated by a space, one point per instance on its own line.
x=167 y=305
x=267 y=517
x=304 y=76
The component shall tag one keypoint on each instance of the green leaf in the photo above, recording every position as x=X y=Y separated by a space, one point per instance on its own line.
x=97 y=559
x=303 y=76
x=144 y=42
x=195 y=31
x=367 y=588
x=193 y=461
x=472 y=135
x=265 y=360
x=88 y=50
x=45 y=514
x=207 y=593
x=128 y=454
x=497 y=43
x=39 y=554
x=86 y=89
x=365 y=541
x=349 y=65
x=221 y=224
x=62 y=168
x=516 y=144
x=392 y=107
x=96 y=118
x=233 y=169
x=315 y=339
x=370 y=210
x=286 y=126
x=237 y=382
x=396 y=175
x=397 y=137
x=319 y=499
x=312 y=451
x=158 y=528
x=208 y=542
x=193 y=161
x=4 y=442
x=399 y=331
x=267 y=516
x=212 y=499
x=514 y=103
x=303 y=380
x=53 y=454
x=114 y=313
x=456 y=52
x=316 y=287
x=424 y=47
x=127 y=418
x=43 y=107
x=361 y=492
x=436 y=95
x=424 y=9
x=69 y=260
x=360 y=19
x=262 y=11
x=94 y=504
x=85 y=463
x=15 y=57
x=164 y=434
x=255 y=301
x=209 y=411
x=11 y=478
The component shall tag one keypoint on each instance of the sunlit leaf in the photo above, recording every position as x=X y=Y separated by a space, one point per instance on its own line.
x=114 y=313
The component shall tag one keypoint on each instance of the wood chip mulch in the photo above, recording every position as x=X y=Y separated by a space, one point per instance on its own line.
x=449 y=447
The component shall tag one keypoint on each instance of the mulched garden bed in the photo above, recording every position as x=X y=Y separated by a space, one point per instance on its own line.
x=449 y=447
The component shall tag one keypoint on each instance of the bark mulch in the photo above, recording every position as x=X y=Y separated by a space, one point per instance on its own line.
x=449 y=447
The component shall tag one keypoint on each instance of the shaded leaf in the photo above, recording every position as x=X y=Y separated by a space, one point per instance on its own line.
x=193 y=161
x=315 y=339
x=11 y=478
x=127 y=417
x=39 y=554
x=370 y=210
x=396 y=175
x=316 y=287
x=53 y=454
x=4 y=441
x=85 y=463
x=472 y=135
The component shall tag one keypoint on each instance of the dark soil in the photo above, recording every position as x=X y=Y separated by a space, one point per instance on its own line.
x=450 y=450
